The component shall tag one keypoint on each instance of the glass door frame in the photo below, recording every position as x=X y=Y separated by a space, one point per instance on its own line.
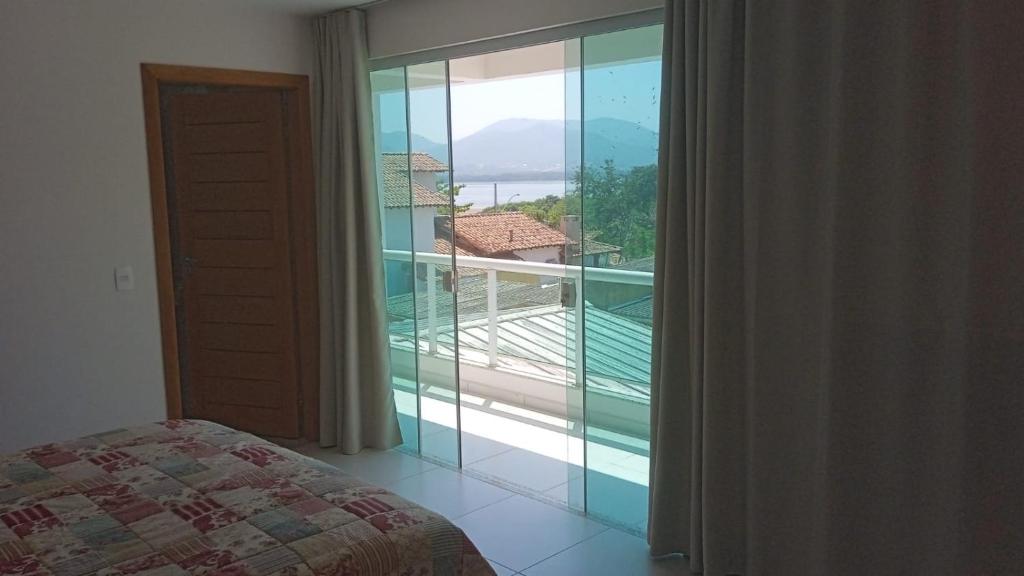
x=574 y=33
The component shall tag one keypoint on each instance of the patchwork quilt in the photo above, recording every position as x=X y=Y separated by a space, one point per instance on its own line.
x=193 y=497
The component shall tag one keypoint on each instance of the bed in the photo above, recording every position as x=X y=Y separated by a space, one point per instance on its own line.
x=194 y=497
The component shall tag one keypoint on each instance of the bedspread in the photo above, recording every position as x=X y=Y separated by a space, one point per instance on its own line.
x=193 y=497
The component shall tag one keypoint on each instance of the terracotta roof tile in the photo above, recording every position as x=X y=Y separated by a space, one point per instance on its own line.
x=495 y=233
x=443 y=246
x=421 y=162
x=395 y=176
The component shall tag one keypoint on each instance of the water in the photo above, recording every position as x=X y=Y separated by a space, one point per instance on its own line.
x=481 y=194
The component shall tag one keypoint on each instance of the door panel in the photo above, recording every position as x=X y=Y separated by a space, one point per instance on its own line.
x=233 y=225
x=213 y=196
x=235 y=253
x=232 y=137
x=231 y=167
x=233 y=260
x=236 y=310
x=234 y=281
x=239 y=337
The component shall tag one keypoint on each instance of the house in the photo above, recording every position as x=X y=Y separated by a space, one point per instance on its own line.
x=506 y=235
x=588 y=252
x=395 y=198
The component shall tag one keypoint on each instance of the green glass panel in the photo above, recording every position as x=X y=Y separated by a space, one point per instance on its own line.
x=435 y=307
x=574 y=387
x=621 y=88
x=512 y=327
x=388 y=88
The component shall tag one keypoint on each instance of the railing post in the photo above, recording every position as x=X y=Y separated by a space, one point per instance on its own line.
x=492 y=317
x=432 y=308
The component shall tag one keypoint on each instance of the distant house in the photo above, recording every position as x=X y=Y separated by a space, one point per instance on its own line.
x=589 y=252
x=396 y=200
x=506 y=235
x=425 y=198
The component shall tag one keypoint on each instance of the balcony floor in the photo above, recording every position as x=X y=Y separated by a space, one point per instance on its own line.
x=518 y=535
x=534 y=453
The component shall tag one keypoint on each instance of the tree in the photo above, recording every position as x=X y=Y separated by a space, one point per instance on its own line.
x=619 y=206
x=548 y=209
x=442 y=187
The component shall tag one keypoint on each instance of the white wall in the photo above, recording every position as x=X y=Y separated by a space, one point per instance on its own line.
x=77 y=357
x=404 y=26
x=540 y=254
x=423 y=228
x=396 y=228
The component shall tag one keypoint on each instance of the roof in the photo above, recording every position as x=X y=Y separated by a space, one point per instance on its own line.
x=394 y=171
x=638 y=265
x=420 y=162
x=443 y=246
x=591 y=246
x=639 y=310
x=503 y=232
x=618 y=349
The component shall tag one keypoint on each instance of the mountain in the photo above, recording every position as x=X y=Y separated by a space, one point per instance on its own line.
x=396 y=142
x=534 y=149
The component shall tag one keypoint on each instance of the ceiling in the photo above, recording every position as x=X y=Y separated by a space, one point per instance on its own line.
x=309 y=7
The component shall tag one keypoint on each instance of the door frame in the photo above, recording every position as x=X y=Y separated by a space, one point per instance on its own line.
x=302 y=218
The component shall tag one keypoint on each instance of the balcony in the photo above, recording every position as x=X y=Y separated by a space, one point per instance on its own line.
x=521 y=378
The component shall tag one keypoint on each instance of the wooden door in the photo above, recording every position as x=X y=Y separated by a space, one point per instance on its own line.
x=233 y=254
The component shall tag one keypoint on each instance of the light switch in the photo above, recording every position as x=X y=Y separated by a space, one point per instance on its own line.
x=124 y=278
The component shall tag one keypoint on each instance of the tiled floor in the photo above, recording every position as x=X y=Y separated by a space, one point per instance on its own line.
x=517 y=534
x=532 y=452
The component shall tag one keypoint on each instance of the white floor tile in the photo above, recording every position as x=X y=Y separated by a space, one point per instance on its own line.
x=611 y=553
x=380 y=467
x=476 y=448
x=567 y=493
x=526 y=469
x=448 y=493
x=519 y=532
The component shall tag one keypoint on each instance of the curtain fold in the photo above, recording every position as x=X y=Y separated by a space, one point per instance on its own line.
x=357 y=407
x=839 y=290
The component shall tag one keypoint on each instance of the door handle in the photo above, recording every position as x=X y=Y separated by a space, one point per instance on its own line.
x=449 y=281
x=568 y=294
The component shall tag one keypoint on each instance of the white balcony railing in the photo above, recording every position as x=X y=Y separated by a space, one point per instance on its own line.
x=494 y=265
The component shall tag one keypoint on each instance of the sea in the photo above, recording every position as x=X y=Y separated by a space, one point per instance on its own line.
x=481 y=194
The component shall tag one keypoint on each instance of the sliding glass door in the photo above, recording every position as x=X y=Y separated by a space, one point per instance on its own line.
x=517 y=199
x=620 y=89
x=507 y=124
x=436 y=336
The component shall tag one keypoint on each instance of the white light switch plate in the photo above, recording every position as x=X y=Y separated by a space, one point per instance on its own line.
x=124 y=278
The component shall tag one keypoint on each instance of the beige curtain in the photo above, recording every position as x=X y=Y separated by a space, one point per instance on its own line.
x=357 y=407
x=839 y=319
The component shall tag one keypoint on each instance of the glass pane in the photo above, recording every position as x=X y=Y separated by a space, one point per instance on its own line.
x=621 y=91
x=574 y=313
x=389 y=119
x=508 y=126
x=435 y=301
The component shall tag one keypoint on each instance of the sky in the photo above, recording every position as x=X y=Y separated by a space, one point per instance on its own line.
x=480 y=104
x=625 y=91
x=476 y=105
